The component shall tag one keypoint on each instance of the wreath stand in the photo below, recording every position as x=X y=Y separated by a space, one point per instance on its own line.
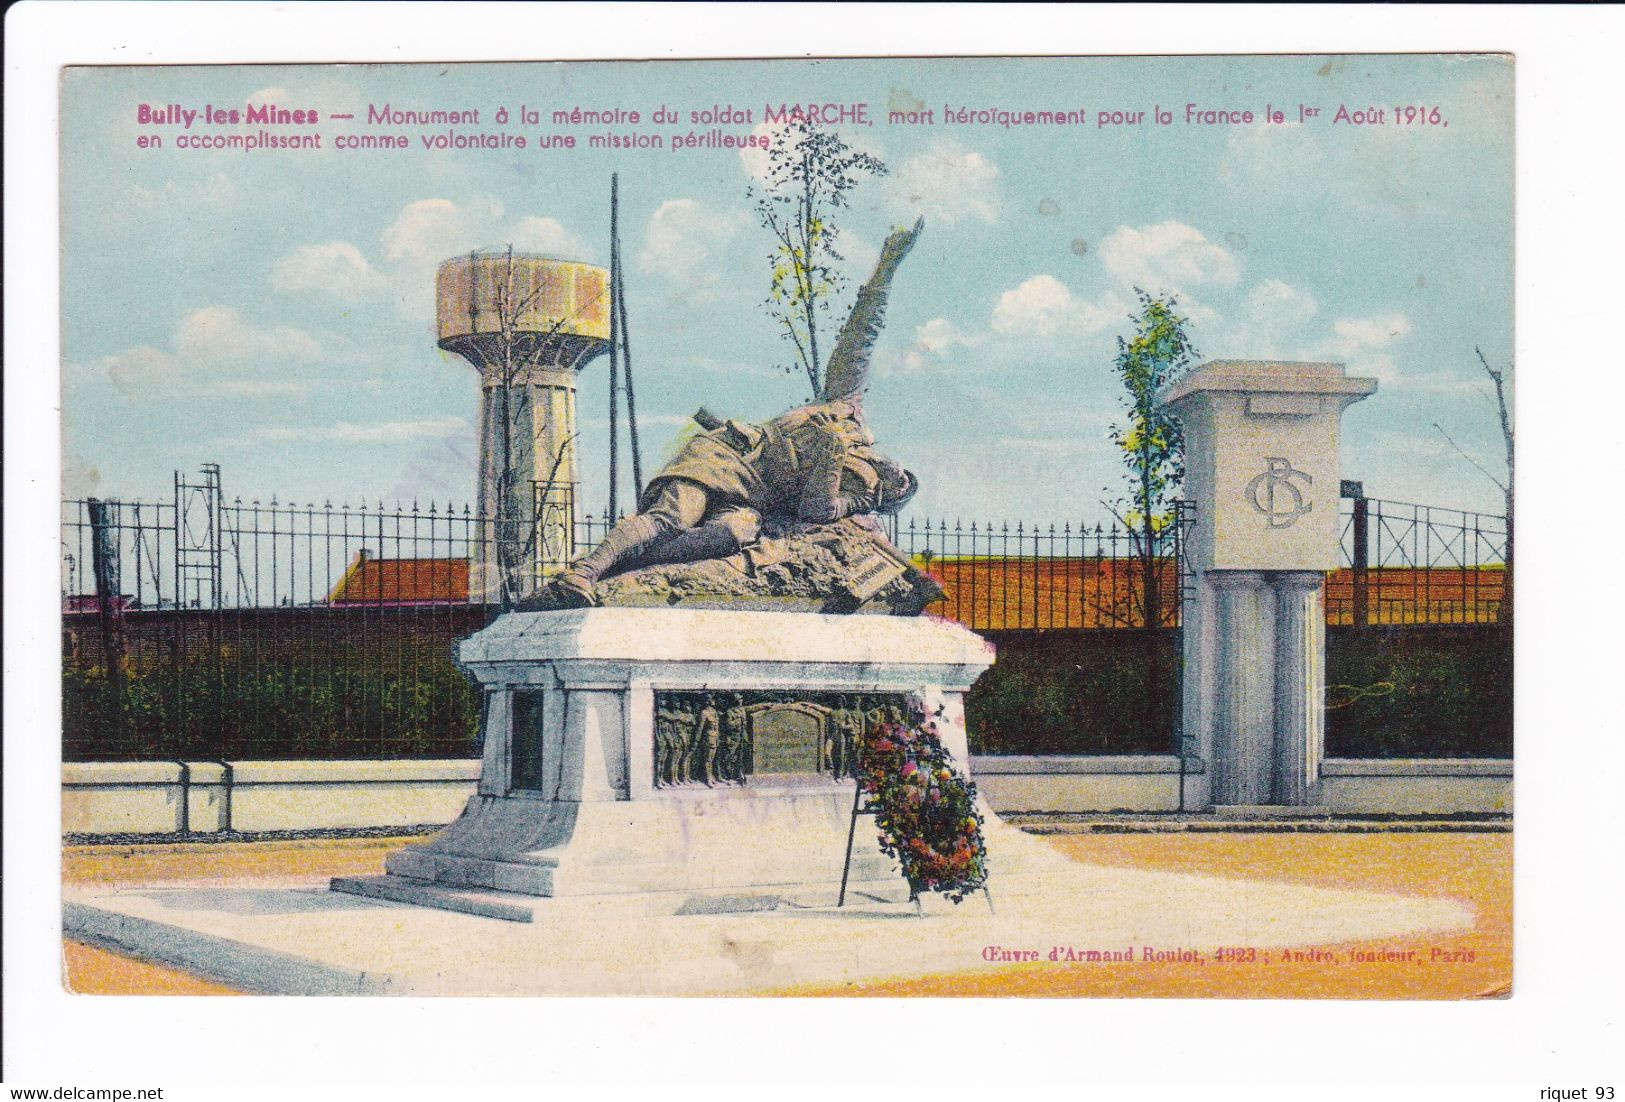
x=860 y=808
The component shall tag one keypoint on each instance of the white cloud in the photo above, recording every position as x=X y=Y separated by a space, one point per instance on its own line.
x=139 y=368
x=948 y=183
x=262 y=388
x=1163 y=258
x=215 y=193
x=335 y=268
x=548 y=236
x=1376 y=365
x=210 y=351
x=275 y=94
x=933 y=342
x=938 y=335
x=1279 y=305
x=1277 y=321
x=1167 y=257
x=1361 y=344
x=1274 y=324
x=1354 y=335
x=381 y=432
x=684 y=243
x=1043 y=306
x=218 y=336
x=428 y=231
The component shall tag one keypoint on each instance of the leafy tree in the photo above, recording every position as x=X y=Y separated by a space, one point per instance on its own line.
x=810 y=174
x=1150 y=439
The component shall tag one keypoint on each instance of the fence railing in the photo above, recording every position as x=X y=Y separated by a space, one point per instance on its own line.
x=198 y=553
x=202 y=628
x=998 y=576
x=1417 y=564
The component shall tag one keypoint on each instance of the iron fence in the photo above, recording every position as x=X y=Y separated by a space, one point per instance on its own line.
x=1418 y=564
x=1025 y=577
x=200 y=551
x=205 y=628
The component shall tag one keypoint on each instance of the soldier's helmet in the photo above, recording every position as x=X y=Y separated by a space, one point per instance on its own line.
x=897 y=484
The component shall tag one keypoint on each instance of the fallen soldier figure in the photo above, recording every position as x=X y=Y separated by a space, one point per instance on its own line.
x=813 y=465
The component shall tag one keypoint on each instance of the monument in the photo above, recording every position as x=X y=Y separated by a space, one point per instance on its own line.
x=1261 y=440
x=677 y=714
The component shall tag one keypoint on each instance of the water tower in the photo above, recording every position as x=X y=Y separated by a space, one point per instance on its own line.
x=527 y=324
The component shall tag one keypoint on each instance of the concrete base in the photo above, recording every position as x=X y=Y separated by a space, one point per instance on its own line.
x=687 y=841
x=569 y=803
x=519 y=907
x=298 y=938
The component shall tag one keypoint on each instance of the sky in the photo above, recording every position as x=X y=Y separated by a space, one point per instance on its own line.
x=272 y=311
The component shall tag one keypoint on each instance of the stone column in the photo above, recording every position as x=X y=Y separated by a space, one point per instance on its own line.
x=1262 y=482
x=1300 y=687
x=1243 y=723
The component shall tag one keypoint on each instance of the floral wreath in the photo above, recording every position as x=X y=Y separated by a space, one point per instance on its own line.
x=925 y=809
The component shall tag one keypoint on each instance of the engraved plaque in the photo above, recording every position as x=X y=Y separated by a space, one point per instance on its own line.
x=873 y=573
x=787 y=739
x=712 y=737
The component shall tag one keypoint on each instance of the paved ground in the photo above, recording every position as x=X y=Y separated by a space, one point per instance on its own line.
x=1423 y=879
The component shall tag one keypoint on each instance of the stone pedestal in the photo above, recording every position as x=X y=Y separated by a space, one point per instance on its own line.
x=1261 y=441
x=579 y=794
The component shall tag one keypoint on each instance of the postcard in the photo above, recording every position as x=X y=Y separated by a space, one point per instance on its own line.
x=892 y=526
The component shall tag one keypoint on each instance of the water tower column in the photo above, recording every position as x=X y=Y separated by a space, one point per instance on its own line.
x=541 y=407
x=528 y=325
x=557 y=481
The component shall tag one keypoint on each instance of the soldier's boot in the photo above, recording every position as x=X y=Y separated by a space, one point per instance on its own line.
x=632 y=536
x=709 y=541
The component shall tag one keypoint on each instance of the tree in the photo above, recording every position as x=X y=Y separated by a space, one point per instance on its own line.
x=1498 y=377
x=810 y=174
x=1150 y=439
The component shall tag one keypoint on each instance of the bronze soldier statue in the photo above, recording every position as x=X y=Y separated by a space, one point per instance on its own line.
x=662 y=746
x=875 y=717
x=816 y=464
x=682 y=744
x=834 y=759
x=850 y=721
x=734 y=739
x=707 y=737
x=668 y=746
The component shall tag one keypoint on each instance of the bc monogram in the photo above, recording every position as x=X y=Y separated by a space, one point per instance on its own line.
x=1275 y=494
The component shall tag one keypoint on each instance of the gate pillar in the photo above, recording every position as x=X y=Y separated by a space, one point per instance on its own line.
x=1261 y=480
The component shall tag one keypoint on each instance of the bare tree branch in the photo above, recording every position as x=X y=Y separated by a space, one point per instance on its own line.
x=1499 y=379
x=1462 y=452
